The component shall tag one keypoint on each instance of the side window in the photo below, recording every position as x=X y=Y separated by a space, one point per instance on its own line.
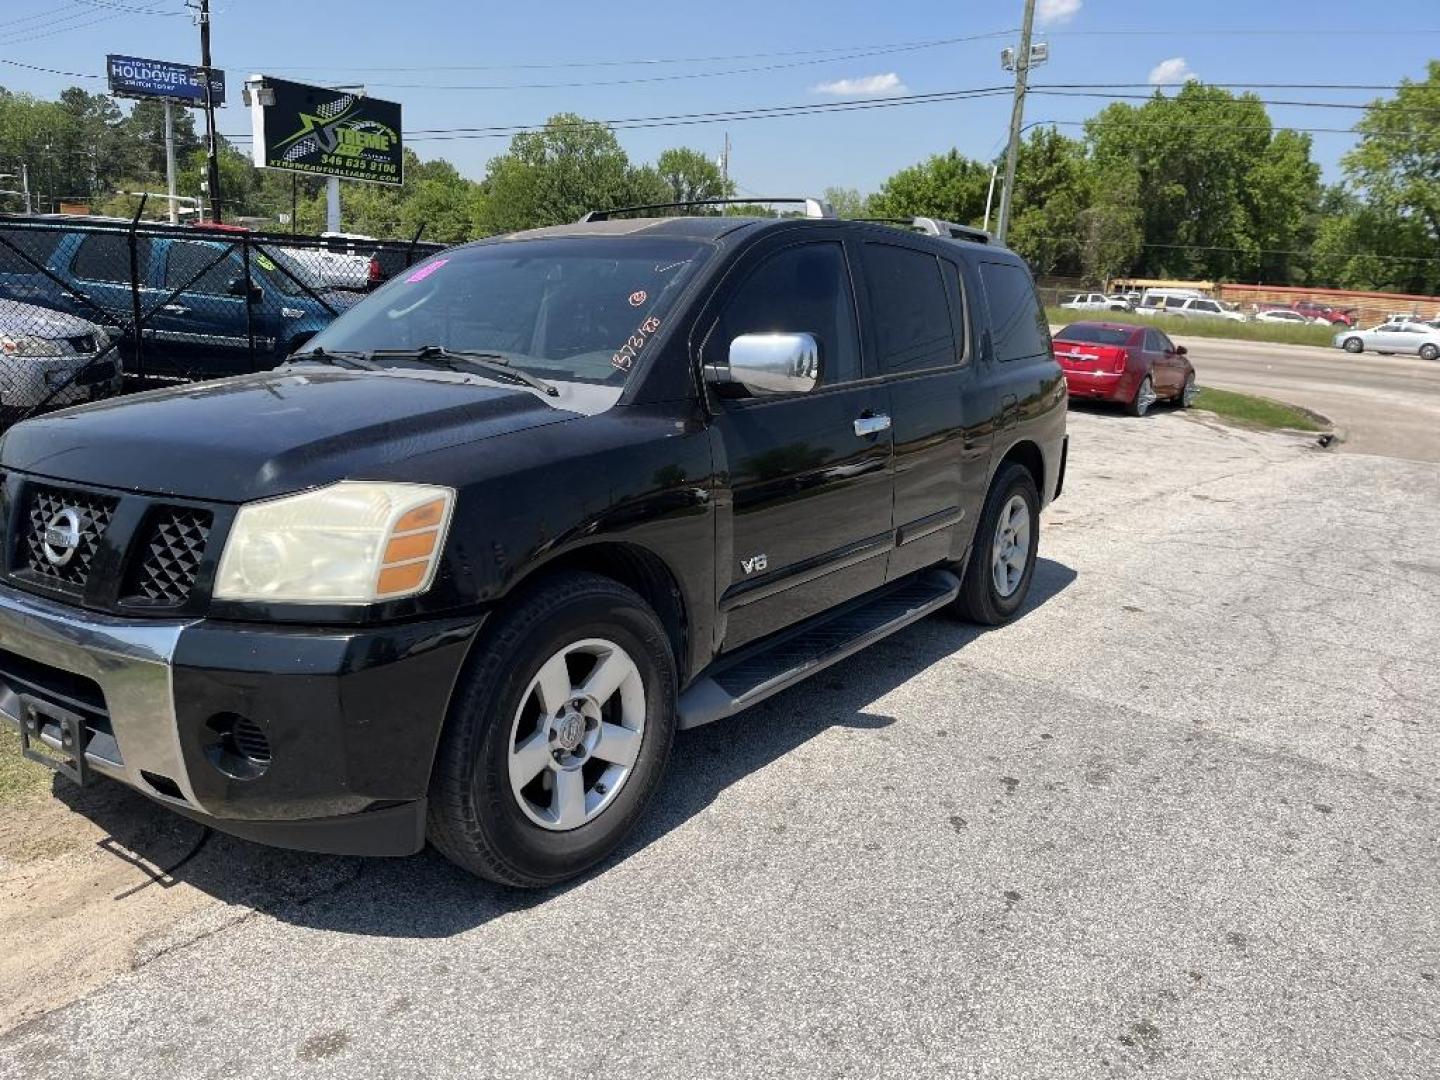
x=909 y=308
x=1166 y=345
x=803 y=289
x=186 y=260
x=35 y=244
x=1017 y=325
x=1152 y=341
x=105 y=256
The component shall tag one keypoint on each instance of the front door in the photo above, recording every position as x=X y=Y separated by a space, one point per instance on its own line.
x=809 y=475
x=1164 y=364
x=202 y=329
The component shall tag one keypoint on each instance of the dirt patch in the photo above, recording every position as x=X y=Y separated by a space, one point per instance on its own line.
x=97 y=881
x=76 y=904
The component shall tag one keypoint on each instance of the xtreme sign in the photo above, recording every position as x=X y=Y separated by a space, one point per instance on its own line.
x=311 y=129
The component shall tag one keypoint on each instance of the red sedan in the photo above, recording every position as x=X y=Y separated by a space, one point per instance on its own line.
x=1133 y=365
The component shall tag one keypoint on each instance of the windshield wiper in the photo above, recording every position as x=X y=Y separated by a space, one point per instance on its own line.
x=489 y=362
x=338 y=359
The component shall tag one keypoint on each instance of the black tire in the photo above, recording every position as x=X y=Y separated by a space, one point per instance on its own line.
x=1429 y=352
x=1353 y=345
x=1138 y=405
x=979 y=600
x=475 y=819
x=1186 y=397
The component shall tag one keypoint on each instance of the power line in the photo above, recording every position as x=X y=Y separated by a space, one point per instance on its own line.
x=77 y=21
x=1233 y=102
x=674 y=77
x=39 y=18
x=52 y=71
x=685 y=119
x=127 y=9
x=904 y=46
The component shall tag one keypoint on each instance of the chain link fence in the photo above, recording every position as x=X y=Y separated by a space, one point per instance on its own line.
x=91 y=308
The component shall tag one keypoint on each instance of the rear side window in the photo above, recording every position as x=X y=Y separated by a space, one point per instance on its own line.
x=802 y=290
x=38 y=245
x=106 y=257
x=909 y=308
x=1017 y=325
x=213 y=265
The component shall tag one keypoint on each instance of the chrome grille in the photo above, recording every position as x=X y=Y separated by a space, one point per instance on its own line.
x=61 y=565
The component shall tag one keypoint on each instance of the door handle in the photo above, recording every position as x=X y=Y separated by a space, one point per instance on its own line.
x=176 y=309
x=872 y=425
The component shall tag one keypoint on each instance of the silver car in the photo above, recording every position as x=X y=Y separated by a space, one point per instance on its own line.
x=48 y=358
x=1394 y=336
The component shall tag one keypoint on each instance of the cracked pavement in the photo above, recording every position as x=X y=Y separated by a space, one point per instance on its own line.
x=1180 y=819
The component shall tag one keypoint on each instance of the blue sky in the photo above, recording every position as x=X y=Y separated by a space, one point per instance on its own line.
x=445 y=43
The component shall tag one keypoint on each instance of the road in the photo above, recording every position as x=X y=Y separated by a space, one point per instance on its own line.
x=1180 y=819
x=1382 y=404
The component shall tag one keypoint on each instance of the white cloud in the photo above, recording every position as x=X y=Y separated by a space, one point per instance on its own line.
x=865 y=84
x=1172 y=72
x=1050 y=12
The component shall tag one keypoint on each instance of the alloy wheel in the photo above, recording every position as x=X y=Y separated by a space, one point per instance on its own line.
x=1011 y=549
x=576 y=735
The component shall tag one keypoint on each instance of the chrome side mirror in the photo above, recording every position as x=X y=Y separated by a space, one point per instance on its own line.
x=770 y=364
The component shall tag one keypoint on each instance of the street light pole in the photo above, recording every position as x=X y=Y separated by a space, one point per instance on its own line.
x=1017 y=117
x=212 y=156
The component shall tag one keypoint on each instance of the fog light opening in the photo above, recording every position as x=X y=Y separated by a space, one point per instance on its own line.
x=237 y=746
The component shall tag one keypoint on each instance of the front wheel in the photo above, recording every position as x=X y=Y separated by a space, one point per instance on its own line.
x=1186 y=397
x=558 y=734
x=1002 y=561
x=1354 y=345
x=1429 y=352
x=1144 y=397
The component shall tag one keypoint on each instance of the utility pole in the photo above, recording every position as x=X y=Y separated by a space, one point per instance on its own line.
x=170 y=161
x=1017 y=117
x=212 y=156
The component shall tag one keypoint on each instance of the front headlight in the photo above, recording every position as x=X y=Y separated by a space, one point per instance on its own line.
x=354 y=542
x=29 y=345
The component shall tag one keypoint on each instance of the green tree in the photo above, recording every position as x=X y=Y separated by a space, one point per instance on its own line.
x=1052 y=191
x=556 y=174
x=145 y=129
x=847 y=202
x=1201 y=158
x=690 y=176
x=1395 y=171
x=949 y=186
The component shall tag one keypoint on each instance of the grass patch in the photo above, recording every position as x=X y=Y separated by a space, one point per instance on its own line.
x=18 y=777
x=1277 y=333
x=1255 y=411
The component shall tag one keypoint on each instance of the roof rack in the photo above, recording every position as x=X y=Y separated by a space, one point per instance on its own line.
x=936 y=227
x=814 y=208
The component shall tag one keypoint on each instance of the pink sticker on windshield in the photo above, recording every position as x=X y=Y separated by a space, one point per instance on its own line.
x=425 y=271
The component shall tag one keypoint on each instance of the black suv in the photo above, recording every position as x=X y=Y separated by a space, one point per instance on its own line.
x=462 y=567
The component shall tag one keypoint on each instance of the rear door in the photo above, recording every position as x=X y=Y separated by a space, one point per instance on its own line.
x=809 y=475
x=916 y=324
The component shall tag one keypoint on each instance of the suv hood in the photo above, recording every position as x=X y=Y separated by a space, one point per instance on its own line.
x=263 y=435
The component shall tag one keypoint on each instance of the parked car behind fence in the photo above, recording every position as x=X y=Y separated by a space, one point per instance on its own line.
x=186 y=303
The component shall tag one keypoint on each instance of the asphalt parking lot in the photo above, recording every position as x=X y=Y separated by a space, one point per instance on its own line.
x=1180 y=819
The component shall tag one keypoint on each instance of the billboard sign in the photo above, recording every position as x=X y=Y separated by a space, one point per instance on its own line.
x=311 y=129
x=131 y=76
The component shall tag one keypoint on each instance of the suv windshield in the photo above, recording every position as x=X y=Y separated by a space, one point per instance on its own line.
x=571 y=309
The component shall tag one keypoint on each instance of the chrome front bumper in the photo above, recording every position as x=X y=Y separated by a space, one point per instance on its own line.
x=131 y=662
